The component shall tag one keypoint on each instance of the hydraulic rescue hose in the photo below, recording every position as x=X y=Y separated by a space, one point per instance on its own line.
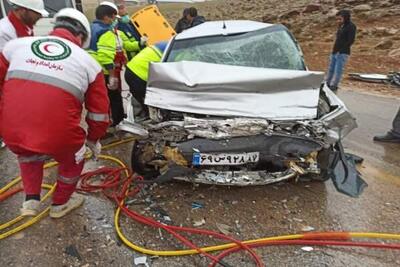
x=117 y=187
x=308 y=243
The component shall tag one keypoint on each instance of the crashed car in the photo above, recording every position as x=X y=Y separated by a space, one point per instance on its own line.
x=232 y=103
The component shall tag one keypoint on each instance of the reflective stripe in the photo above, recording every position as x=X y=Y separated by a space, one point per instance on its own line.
x=106 y=48
x=24 y=159
x=66 y=180
x=41 y=78
x=98 y=116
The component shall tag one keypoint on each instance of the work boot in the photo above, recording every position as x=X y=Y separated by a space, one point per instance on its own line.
x=30 y=208
x=58 y=211
x=389 y=137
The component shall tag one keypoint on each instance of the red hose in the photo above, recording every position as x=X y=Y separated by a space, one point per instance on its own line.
x=308 y=243
x=148 y=221
x=10 y=193
x=117 y=188
x=120 y=189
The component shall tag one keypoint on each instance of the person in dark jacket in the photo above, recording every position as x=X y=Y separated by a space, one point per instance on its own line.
x=392 y=136
x=183 y=22
x=345 y=37
x=193 y=18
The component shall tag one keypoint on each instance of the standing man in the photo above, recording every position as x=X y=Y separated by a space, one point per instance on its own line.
x=392 y=136
x=183 y=22
x=345 y=37
x=20 y=22
x=44 y=81
x=193 y=18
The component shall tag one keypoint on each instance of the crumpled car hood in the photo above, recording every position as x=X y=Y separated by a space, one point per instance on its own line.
x=234 y=91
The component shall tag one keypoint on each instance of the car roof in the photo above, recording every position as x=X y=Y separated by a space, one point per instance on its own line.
x=227 y=27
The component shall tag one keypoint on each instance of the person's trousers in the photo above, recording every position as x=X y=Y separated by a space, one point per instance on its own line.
x=31 y=166
x=137 y=86
x=337 y=62
x=396 y=124
x=116 y=104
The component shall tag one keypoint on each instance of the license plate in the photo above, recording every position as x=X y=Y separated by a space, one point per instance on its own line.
x=225 y=159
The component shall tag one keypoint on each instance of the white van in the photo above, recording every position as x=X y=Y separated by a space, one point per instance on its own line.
x=44 y=25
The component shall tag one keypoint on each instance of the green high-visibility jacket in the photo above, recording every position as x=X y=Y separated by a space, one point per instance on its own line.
x=107 y=46
x=139 y=65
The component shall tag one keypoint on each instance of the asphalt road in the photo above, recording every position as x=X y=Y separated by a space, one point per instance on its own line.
x=374 y=116
x=251 y=212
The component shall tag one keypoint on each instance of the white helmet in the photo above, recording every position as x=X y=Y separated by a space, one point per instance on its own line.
x=34 y=5
x=79 y=17
x=110 y=4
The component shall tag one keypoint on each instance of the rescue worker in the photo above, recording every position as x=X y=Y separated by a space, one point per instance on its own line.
x=20 y=22
x=21 y=19
x=108 y=46
x=44 y=81
x=345 y=37
x=125 y=25
x=137 y=71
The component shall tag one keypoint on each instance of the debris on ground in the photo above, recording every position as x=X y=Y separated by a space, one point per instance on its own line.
x=197 y=205
x=73 y=251
x=307 y=249
x=141 y=261
x=307 y=229
x=391 y=78
x=199 y=223
x=223 y=228
x=162 y=215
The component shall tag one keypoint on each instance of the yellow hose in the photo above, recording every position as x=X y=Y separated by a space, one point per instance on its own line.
x=19 y=218
x=375 y=235
x=124 y=141
x=51 y=190
x=31 y=221
x=170 y=252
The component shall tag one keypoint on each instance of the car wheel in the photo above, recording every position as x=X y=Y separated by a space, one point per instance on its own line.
x=139 y=163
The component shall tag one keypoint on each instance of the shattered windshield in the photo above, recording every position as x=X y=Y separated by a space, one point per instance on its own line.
x=272 y=47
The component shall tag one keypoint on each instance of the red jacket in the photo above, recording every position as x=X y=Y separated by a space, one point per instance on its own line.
x=44 y=82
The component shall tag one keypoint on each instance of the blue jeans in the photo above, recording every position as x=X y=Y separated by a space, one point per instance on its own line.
x=336 y=68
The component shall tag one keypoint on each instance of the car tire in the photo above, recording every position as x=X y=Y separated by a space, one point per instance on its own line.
x=147 y=171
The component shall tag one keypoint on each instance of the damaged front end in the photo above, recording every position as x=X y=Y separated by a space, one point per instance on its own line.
x=255 y=159
x=276 y=126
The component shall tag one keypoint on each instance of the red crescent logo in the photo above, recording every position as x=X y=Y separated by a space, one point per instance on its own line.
x=46 y=48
